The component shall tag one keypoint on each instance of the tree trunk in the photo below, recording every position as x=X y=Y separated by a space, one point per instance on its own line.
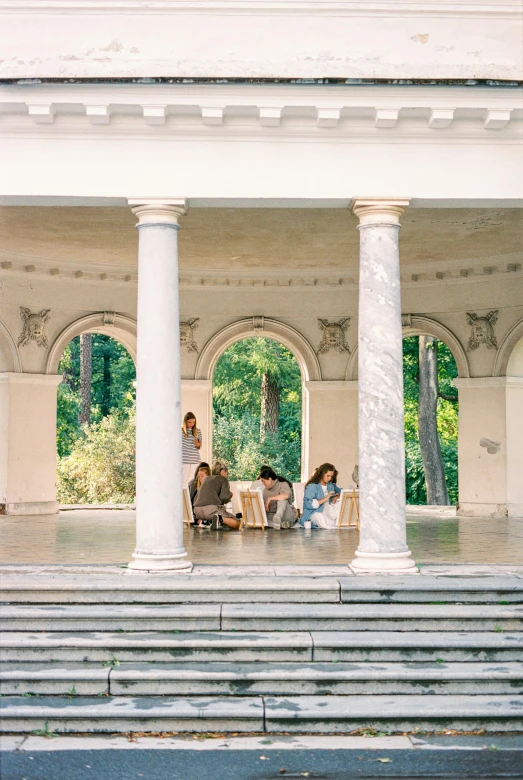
x=106 y=387
x=86 y=377
x=427 y=424
x=270 y=405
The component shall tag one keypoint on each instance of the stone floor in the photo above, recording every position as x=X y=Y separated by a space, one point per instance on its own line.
x=105 y=536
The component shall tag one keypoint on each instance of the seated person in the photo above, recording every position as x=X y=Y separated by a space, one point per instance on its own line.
x=203 y=473
x=277 y=496
x=321 y=499
x=212 y=496
x=257 y=484
x=194 y=483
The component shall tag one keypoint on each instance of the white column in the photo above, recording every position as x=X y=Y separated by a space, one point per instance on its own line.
x=159 y=513
x=383 y=531
x=28 y=443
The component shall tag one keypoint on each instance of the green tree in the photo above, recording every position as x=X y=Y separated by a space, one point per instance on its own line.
x=447 y=421
x=112 y=386
x=100 y=467
x=257 y=385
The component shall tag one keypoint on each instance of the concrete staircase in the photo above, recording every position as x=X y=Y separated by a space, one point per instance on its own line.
x=261 y=654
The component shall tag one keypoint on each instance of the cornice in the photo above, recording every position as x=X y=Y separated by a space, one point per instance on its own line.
x=439 y=275
x=504 y=9
x=274 y=112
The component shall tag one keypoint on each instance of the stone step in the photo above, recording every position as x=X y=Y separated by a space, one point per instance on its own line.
x=417 y=646
x=268 y=617
x=111 y=617
x=189 y=679
x=51 y=678
x=465 y=590
x=277 y=646
x=157 y=590
x=321 y=714
x=97 y=589
x=317 y=714
x=123 y=714
x=156 y=646
x=277 y=678
x=372 y=617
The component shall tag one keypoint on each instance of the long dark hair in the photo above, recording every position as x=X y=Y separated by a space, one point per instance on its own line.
x=268 y=473
x=320 y=473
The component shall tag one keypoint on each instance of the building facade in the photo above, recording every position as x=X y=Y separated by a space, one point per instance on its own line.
x=249 y=141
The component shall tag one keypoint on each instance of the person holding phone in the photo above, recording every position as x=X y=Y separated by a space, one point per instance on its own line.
x=321 y=499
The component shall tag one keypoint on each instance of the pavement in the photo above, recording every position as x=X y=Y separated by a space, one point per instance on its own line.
x=260 y=758
x=107 y=536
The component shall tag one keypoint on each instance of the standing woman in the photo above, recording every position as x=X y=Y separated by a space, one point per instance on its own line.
x=320 y=499
x=191 y=445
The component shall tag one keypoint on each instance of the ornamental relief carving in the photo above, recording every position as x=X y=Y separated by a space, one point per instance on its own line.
x=187 y=329
x=482 y=330
x=33 y=328
x=333 y=335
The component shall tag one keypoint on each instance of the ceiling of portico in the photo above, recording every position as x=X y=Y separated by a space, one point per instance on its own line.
x=261 y=242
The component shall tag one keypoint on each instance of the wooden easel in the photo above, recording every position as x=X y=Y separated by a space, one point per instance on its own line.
x=352 y=497
x=253 y=509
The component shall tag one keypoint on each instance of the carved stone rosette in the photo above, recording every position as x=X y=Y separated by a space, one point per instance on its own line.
x=333 y=335
x=33 y=327
x=187 y=329
x=482 y=330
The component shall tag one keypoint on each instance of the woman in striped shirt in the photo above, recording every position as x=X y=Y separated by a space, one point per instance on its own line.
x=191 y=440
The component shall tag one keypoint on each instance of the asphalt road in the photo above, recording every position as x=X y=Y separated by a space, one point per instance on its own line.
x=256 y=765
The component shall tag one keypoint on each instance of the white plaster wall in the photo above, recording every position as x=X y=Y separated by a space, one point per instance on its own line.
x=333 y=427
x=482 y=447
x=295 y=166
x=102 y=38
x=515 y=448
x=28 y=425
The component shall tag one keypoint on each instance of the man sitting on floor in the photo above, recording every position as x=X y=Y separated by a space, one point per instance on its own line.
x=212 y=496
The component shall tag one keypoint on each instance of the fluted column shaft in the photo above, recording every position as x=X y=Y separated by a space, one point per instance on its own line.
x=383 y=541
x=159 y=511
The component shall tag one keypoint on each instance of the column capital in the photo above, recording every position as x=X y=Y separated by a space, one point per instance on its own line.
x=382 y=211
x=154 y=211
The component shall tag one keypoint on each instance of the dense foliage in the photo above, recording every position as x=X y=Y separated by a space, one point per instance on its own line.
x=447 y=420
x=237 y=409
x=97 y=461
x=112 y=386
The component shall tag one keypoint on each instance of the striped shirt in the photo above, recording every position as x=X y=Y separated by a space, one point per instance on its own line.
x=190 y=453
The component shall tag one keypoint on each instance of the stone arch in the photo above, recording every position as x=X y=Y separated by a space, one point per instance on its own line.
x=10 y=349
x=423 y=326
x=506 y=349
x=264 y=327
x=119 y=327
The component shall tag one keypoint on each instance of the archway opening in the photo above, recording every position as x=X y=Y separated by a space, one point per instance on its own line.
x=258 y=409
x=431 y=421
x=96 y=422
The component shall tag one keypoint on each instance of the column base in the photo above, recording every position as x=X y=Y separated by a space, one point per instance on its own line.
x=383 y=563
x=159 y=564
x=30 y=508
x=468 y=509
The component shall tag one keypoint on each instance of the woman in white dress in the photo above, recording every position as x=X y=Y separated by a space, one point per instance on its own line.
x=321 y=499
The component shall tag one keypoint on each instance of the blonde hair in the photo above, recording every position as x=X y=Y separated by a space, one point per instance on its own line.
x=194 y=429
x=202 y=470
x=218 y=466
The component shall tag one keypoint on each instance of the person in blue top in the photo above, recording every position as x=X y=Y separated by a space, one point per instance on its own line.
x=321 y=499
